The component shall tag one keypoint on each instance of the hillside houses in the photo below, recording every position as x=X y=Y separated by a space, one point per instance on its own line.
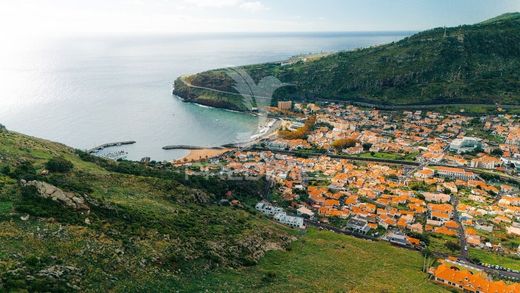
x=375 y=197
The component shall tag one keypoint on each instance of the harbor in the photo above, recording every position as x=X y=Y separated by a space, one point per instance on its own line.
x=109 y=145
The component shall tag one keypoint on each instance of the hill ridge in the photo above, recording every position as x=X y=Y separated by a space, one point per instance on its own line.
x=468 y=64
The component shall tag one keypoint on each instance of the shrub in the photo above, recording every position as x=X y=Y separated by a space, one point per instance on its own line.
x=59 y=164
x=452 y=246
x=25 y=170
x=367 y=146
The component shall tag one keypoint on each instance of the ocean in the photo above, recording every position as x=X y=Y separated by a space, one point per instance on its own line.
x=90 y=90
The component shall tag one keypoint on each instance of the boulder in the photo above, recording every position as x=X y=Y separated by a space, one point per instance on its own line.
x=69 y=199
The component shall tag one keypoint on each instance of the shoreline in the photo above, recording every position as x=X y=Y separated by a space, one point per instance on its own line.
x=196 y=155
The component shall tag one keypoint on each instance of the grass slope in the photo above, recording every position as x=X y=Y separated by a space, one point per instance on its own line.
x=142 y=228
x=323 y=261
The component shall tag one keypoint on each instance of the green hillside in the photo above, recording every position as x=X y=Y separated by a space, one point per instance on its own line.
x=129 y=227
x=141 y=224
x=469 y=64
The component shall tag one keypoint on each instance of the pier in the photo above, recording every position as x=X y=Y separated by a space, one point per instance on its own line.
x=189 y=147
x=109 y=145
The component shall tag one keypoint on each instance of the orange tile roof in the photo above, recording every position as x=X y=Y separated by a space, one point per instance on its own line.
x=471 y=281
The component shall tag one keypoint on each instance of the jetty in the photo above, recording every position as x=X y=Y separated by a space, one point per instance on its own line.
x=189 y=147
x=109 y=145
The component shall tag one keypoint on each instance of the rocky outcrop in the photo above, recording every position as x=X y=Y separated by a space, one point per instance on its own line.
x=69 y=199
x=247 y=250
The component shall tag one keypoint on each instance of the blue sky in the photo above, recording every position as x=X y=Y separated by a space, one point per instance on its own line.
x=172 y=16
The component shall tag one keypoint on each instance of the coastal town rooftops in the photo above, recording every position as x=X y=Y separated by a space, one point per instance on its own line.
x=471 y=281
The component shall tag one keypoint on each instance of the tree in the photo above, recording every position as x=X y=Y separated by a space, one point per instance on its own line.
x=25 y=170
x=301 y=132
x=59 y=164
x=367 y=146
x=344 y=143
x=497 y=152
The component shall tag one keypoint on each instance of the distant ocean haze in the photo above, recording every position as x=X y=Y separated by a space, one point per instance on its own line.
x=88 y=91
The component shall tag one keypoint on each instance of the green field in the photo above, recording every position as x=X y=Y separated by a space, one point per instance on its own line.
x=325 y=262
x=495 y=259
x=389 y=156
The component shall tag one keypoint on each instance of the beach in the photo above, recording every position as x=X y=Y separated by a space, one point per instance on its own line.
x=202 y=154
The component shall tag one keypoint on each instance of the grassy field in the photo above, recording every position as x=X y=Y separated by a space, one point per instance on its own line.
x=389 y=156
x=495 y=259
x=325 y=262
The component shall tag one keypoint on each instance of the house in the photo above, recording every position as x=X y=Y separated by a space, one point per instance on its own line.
x=296 y=222
x=267 y=208
x=483 y=227
x=284 y=105
x=486 y=162
x=425 y=173
x=397 y=237
x=455 y=173
x=436 y=197
x=514 y=229
x=469 y=281
x=358 y=225
x=304 y=211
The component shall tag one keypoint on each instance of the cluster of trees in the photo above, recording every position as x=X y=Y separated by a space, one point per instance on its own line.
x=344 y=143
x=300 y=133
x=59 y=165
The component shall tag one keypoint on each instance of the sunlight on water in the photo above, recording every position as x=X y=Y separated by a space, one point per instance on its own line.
x=85 y=92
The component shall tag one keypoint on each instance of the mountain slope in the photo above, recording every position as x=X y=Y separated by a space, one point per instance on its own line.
x=470 y=64
x=136 y=224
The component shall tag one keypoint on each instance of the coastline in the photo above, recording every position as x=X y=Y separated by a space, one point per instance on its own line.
x=196 y=154
x=202 y=154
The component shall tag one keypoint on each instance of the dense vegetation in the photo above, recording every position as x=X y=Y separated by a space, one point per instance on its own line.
x=469 y=64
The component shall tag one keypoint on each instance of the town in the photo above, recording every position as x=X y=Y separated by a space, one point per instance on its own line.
x=443 y=183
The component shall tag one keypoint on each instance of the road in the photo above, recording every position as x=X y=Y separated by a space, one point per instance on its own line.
x=361 y=104
x=460 y=231
x=384 y=161
x=224 y=92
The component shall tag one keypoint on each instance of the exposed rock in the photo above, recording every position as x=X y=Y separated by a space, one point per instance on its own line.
x=186 y=196
x=248 y=250
x=24 y=218
x=57 y=271
x=69 y=199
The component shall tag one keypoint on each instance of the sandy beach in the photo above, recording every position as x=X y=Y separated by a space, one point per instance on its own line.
x=202 y=154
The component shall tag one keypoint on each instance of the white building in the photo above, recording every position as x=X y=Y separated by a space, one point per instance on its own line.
x=296 y=222
x=279 y=215
x=268 y=209
x=466 y=144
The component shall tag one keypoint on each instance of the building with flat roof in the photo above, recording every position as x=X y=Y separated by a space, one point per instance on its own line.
x=284 y=105
x=465 y=145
